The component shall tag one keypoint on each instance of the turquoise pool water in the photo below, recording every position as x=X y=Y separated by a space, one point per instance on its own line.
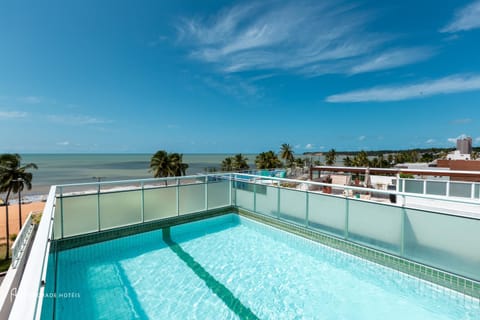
x=233 y=268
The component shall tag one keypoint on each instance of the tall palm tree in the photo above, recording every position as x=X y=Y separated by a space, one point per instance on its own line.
x=330 y=157
x=159 y=164
x=13 y=178
x=227 y=164
x=176 y=167
x=267 y=160
x=286 y=153
x=239 y=162
x=163 y=164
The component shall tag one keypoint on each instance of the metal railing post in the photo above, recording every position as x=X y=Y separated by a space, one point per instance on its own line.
x=472 y=191
x=278 y=201
x=424 y=187
x=230 y=190
x=98 y=207
x=347 y=209
x=61 y=212
x=447 y=186
x=306 y=208
x=206 y=193
x=143 y=202
x=177 y=195
x=402 y=230
x=254 y=195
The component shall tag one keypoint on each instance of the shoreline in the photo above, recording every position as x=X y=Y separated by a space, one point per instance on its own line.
x=27 y=208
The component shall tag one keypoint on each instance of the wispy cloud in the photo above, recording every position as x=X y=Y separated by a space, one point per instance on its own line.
x=30 y=99
x=430 y=141
x=63 y=143
x=393 y=59
x=77 y=120
x=12 y=114
x=454 y=140
x=447 y=85
x=233 y=86
x=309 y=146
x=462 y=121
x=301 y=36
x=361 y=138
x=466 y=18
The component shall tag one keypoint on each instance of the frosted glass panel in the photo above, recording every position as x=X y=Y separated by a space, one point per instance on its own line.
x=477 y=191
x=56 y=220
x=160 y=203
x=458 y=189
x=244 y=197
x=192 y=198
x=413 y=186
x=293 y=205
x=120 y=209
x=449 y=242
x=218 y=194
x=267 y=203
x=437 y=188
x=375 y=225
x=79 y=215
x=326 y=213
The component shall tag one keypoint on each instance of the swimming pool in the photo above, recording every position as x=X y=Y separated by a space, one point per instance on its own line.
x=230 y=267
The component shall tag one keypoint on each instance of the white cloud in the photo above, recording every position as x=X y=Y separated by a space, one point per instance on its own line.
x=12 y=114
x=450 y=84
x=462 y=121
x=361 y=138
x=77 y=120
x=285 y=35
x=30 y=99
x=393 y=58
x=63 y=143
x=430 y=141
x=466 y=18
x=309 y=146
x=454 y=140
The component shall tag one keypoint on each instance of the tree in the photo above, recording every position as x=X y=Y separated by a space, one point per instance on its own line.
x=163 y=164
x=176 y=167
x=347 y=161
x=227 y=164
x=267 y=160
x=474 y=155
x=13 y=178
x=159 y=164
x=239 y=162
x=330 y=157
x=286 y=153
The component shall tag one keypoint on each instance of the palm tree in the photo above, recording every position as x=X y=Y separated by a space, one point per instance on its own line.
x=267 y=160
x=227 y=164
x=13 y=178
x=331 y=157
x=239 y=162
x=176 y=167
x=163 y=164
x=159 y=164
x=286 y=153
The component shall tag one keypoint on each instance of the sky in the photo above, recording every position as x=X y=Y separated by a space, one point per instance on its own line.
x=237 y=76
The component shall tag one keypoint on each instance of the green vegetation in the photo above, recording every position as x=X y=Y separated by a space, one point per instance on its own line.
x=331 y=157
x=235 y=163
x=163 y=164
x=13 y=179
x=268 y=160
x=286 y=154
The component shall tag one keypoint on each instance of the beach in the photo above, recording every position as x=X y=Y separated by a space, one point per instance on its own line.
x=13 y=216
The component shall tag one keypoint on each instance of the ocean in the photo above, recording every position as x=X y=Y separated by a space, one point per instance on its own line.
x=56 y=169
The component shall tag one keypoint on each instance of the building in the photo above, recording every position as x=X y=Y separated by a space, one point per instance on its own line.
x=464 y=145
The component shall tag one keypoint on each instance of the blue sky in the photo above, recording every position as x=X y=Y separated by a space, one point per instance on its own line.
x=222 y=76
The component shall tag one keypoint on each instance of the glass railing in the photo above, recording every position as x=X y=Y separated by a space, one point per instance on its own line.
x=458 y=189
x=374 y=218
x=94 y=207
x=446 y=241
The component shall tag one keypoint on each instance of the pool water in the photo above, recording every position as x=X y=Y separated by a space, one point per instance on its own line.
x=230 y=267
